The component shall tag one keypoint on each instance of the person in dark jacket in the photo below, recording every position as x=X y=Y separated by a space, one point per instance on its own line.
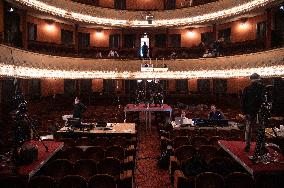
x=251 y=103
x=79 y=109
x=215 y=114
x=145 y=50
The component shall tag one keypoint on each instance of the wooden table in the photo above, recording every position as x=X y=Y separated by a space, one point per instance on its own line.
x=111 y=129
x=147 y=110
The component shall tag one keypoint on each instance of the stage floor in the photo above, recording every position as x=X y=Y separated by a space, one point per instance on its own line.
x=236 y=150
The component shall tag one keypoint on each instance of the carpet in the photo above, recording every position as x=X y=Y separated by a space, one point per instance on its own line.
x=147 y=172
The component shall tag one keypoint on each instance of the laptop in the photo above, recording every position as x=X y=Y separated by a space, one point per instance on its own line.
x=178 y=120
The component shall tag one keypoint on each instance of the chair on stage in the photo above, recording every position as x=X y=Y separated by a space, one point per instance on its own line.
x=209 y=179
x=42 y=182
x=239 y=180
x=13 y=182
x=73 y=181
x=102 y=181
x=59 y=168
x=72 y=154
x=95 y=153
x=85 y=168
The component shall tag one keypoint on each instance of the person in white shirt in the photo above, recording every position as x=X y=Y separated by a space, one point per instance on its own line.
x=113 y=53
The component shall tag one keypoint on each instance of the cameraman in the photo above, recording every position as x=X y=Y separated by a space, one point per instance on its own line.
x=79 y=109
x=251 y=103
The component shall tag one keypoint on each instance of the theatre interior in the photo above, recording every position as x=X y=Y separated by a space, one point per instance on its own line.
x=141 y=93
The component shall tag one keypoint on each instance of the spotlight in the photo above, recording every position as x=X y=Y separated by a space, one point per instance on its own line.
x=11 y=10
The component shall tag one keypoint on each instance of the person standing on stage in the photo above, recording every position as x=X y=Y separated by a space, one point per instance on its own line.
x=251 y=103
x=145 y=50
x=79 y=109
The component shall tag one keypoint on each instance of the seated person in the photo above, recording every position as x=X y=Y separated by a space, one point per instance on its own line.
x=113 y=53
x=99 y=55
x=215 y=114
x=183 y=114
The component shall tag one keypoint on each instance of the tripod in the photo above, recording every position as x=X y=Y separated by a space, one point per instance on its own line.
x=31 y=125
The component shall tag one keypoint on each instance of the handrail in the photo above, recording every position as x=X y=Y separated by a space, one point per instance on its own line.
x=20 y=63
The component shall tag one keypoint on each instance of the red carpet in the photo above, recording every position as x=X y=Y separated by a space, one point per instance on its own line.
x=147 y=172
x=236 y=150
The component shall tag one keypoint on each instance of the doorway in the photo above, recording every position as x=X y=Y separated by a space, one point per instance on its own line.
x=143 y=39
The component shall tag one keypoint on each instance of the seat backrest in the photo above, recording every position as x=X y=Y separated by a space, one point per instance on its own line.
x=85 y=168
x=102 y=181
x=95 y=153
x=73 y=181
x=221 y=165
x=59 y=168
x=115 y=152
x=198 y=141
x=239 y=180
x=209 y=180
x=207 y=152
x=269 y=180
x=180 y=141
x=13 y=182
x=42 y=182
x=185 y=152
x=193 y=166
x=120 y=141
x=72 y=154
x=101 y=141
x=110 y=166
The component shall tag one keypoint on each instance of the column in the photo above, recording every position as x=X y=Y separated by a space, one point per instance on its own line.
x=1 y=21
x=76 y=38
x=215 y=32
x=268 y=29
x=24 y=29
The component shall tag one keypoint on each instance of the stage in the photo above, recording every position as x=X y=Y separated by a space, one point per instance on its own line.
x=30 y=170
x=236 y=150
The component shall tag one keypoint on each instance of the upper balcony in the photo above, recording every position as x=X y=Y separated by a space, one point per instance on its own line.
x=208 y=13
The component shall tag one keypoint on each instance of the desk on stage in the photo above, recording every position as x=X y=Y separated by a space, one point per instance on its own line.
x=147 y=111
x=231 y=126
x=236 y=150
x=30 y=169
x=112 y=129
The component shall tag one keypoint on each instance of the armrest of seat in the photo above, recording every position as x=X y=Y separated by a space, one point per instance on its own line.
x=129 y=162
x=180 y=180
x=173 y=166
x=126 y=179
x=130 y=150
x=178 y=174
